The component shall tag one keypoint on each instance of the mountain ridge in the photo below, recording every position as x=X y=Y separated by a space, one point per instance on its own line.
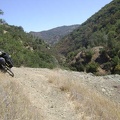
x=53 y=35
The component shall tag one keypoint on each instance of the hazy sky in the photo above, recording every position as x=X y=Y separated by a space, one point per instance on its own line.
x=39 y=15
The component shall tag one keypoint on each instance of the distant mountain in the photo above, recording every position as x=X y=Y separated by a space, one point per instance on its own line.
x=102 y=30
x=52 y=36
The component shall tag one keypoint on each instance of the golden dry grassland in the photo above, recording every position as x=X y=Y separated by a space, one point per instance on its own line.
x=88 y=102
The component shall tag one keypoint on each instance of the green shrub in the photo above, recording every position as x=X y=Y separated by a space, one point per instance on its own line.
x=80 y=67
x=92 y=67
x=88 y=55
x=107 y=66
x=117 y=69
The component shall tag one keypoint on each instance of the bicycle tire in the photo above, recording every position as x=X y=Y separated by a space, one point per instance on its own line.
x=8 y=70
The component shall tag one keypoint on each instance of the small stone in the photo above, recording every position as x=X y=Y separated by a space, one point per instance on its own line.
x=103 y=90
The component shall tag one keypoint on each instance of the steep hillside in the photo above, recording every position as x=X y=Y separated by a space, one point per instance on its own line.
x=52 y=36
x=44 y=94
x=24 y=48
x=101 y=29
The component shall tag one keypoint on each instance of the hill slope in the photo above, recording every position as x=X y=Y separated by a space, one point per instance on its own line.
x=101 y=29
x=52 y=36
x=58 y=95
x=24 y=48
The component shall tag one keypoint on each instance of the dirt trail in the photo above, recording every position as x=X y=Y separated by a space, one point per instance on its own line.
x=50 y=100
x=54 y=102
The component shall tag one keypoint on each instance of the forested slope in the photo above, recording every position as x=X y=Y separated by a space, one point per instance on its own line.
x=100 y=30
x=24 y=48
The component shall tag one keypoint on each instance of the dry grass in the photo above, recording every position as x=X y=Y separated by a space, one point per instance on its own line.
x=13 y=103
x=87 y=102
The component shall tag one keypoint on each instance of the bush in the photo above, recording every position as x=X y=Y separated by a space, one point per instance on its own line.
x=117 y=69
x=88 y=55
x=92 y=67
x=80 y=67
x=107 y=66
